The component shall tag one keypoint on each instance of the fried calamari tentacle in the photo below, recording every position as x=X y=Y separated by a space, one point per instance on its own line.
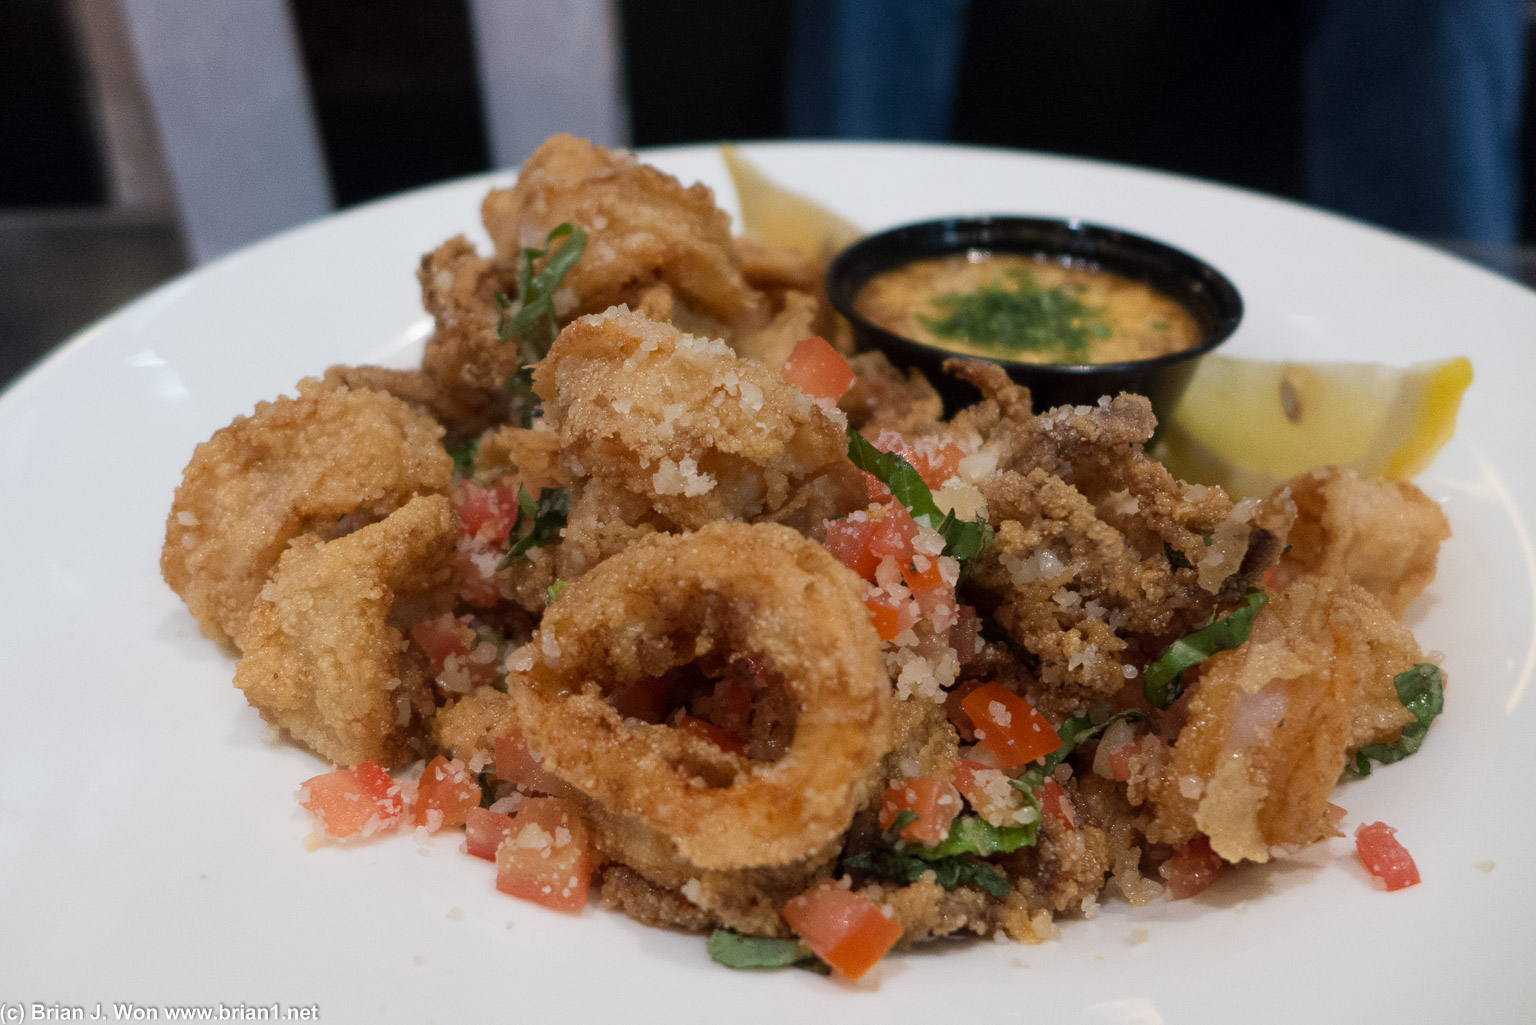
x=419 y=391
x=681 y=432
x=327 y=460
x=642 y=227
x=1383 y=535
x=668 y=602
x=321 y=658
x=1271 y=722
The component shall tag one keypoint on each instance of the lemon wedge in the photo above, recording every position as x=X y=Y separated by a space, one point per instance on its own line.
x=1249 y=425
x=774 y=215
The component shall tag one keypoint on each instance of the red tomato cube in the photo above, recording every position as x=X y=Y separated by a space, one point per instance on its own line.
x=356 y=802
x=483 y=832
x=444 y=794
x=816 y=369
x=1009 y=726
x=1388 y=861
x=848 y=541
x=843 y=928
x=935 y=803
x=894 y=531
x=1193 y=868
x=546 y=857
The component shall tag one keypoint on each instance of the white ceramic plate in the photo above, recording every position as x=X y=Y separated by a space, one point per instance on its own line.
x=150 y=847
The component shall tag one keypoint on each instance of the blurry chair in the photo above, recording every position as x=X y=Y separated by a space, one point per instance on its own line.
x=231 y=104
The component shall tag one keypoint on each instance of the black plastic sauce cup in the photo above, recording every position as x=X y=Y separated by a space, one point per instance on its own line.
x=1197 y=286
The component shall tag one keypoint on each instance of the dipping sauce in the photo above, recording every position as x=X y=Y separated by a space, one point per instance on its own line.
x=1033 y=309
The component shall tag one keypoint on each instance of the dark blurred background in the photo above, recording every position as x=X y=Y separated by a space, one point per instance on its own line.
x=90 y=215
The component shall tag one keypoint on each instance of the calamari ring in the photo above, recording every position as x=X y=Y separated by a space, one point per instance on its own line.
x=292 y=467
x=321 y=659
x=669 y=600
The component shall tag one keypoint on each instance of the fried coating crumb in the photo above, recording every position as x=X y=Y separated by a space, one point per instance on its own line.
x=665 y=431
x=325 y=461
x=883 y=398
x=466 y=362
x=1272 y=722
x=642 y=227
x=321 y=658
x=1383 y=535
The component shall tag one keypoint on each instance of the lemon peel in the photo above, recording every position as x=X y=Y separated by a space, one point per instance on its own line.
x=774 y=215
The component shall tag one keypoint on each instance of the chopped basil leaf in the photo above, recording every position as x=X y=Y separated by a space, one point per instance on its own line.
x=536 y=292
x=972 y=834
x=1080 y=730
x=1161 y=681
x=903 y=819
x=464 y=457
x=757 y=953
x=1422 y=691
x=546 y=518
x=961 y=540
x=553 y=591
x=949 y=872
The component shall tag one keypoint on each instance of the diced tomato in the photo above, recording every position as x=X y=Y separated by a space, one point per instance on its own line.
x=517 y=765
x=446 y=635
x=1120 y=762
x=359 y=801
x=483 y=832
x=979 y=783
x=893 y=534
x=1009 y=726
x=936 y=804
x=890 y=616
x=448 y=789
x=816 y=369
x=486 y=512
x=954 y=707
x=712 y=733
x=936 y=463
x=965 y=635
x=546 y=856
x=1335 y=814
x=1054 y=802
x=1193 y=868
x=848 y=541
x=1384 y=858
x=927 y=584
x=477 y=562
x=845 y=929
x=645 y=699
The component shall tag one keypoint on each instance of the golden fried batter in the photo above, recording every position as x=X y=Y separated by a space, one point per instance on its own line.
x=321 y=658
x=319 y=463
x=1383 y=535
x=884 y=398
x=663 y=430
x=1271 y=723
x=642 y=227
x=667 y=601
x=465 y=360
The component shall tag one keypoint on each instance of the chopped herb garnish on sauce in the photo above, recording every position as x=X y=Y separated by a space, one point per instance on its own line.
x=1422 y=691
x=1162 y=681
x=962 y=540
x=1024 y=318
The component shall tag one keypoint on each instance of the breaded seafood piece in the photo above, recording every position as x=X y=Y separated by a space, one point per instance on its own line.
x=666 y=431
x=325 y=461
x=772 y=343
x=672 y=601
x=462 y=413
x=465 y=360
x=1383 y=535
x=642 y=226
x=884 y=398
x=1272 y=722
x=321 y=658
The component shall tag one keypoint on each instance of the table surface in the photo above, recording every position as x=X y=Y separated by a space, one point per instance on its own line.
x=61 y=270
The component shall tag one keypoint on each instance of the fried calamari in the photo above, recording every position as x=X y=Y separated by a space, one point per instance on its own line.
x=322 y=659
x=326 y=461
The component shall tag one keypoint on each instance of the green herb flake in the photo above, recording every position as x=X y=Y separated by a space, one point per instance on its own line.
x=464 y=457
x=536 y=291
x=902 y=867
x=1422 y=691
x=758 y=953
x=972 y=834
x=1162 y=681
x=962 y=541
x=553 y=592
x=1024 y=318
x=545 y=518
